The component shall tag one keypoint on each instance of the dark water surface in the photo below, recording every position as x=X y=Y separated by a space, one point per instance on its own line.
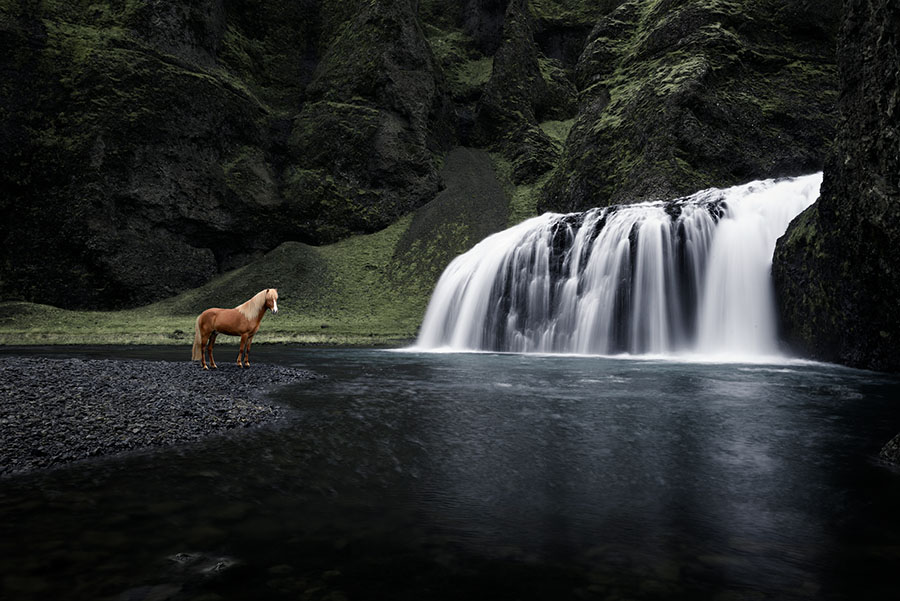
x=482 y=476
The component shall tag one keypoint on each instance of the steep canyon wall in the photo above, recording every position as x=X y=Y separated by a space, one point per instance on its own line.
x=147 y=146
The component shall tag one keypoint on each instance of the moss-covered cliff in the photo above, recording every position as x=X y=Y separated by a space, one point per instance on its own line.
x=679 y=95
x=147 y=146
x=836 y=269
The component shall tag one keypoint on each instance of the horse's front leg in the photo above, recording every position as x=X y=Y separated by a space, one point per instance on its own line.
x=212 y=341
x=247 y=351
x=244 y=338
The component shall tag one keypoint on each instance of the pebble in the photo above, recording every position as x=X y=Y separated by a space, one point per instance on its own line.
x=56 y=411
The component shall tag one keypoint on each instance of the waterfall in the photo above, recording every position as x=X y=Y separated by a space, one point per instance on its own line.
x=688 y=275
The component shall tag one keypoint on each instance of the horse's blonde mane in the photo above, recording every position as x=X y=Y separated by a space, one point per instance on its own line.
x=252 y=307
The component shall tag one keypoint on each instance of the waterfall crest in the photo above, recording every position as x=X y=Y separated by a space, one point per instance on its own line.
x=688 y=275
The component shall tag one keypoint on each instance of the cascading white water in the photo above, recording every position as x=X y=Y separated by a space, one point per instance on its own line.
x=652 y=278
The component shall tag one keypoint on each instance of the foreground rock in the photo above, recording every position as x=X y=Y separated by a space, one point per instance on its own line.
x=55 y=411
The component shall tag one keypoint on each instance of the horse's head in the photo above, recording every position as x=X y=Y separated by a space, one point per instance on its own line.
x=272 y=299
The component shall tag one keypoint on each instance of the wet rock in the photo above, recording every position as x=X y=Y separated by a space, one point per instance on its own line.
x=201 y=564
x=891 y=451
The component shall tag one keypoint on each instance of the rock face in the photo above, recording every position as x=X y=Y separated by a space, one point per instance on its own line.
x=836 y=267
x=525 y=89
x=680 y=95
x=146 y=147
x=376 y=116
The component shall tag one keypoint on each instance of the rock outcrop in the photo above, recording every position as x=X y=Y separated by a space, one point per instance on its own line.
x=836 y=270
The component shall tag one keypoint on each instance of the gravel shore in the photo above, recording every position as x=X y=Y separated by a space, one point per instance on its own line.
x=55 y=411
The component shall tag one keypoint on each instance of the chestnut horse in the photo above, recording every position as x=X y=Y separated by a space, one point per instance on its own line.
x=241 y=321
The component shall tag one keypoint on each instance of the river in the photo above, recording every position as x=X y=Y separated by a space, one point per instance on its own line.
x=407 y=475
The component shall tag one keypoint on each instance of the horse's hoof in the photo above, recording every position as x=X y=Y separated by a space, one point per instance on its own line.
x=247 y=364
x=206 y=368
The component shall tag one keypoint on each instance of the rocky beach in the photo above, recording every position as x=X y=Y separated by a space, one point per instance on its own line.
x=57 y=411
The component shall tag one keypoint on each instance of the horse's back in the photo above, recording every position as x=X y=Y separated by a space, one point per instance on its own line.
x=226 y=321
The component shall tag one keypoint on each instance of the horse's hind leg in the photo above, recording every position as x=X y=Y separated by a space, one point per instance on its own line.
x=203 y=345
x=212 y=341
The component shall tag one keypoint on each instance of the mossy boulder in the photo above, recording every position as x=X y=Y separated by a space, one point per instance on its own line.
x=835 y=269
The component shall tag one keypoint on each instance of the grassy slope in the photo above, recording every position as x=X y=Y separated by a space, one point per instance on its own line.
x=367 y=290
x=336 y=294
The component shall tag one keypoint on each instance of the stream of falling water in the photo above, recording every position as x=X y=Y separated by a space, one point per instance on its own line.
x=690 y=275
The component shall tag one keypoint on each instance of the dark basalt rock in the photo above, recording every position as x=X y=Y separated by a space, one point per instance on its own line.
x=891 y=451
x=835 y=269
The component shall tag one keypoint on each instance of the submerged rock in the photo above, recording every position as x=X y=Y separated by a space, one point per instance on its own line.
x=891 y=451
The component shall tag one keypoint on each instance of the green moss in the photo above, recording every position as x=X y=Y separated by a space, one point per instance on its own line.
x=425 y=259
x=557 y=131
x=804 y=233
x=571 y=12
x=466 y=69
x=474 y=73
x=523 y=198
x=238 y=51
x=248 y=176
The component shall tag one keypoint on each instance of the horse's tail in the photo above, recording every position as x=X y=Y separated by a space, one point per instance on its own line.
x=195 y=351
